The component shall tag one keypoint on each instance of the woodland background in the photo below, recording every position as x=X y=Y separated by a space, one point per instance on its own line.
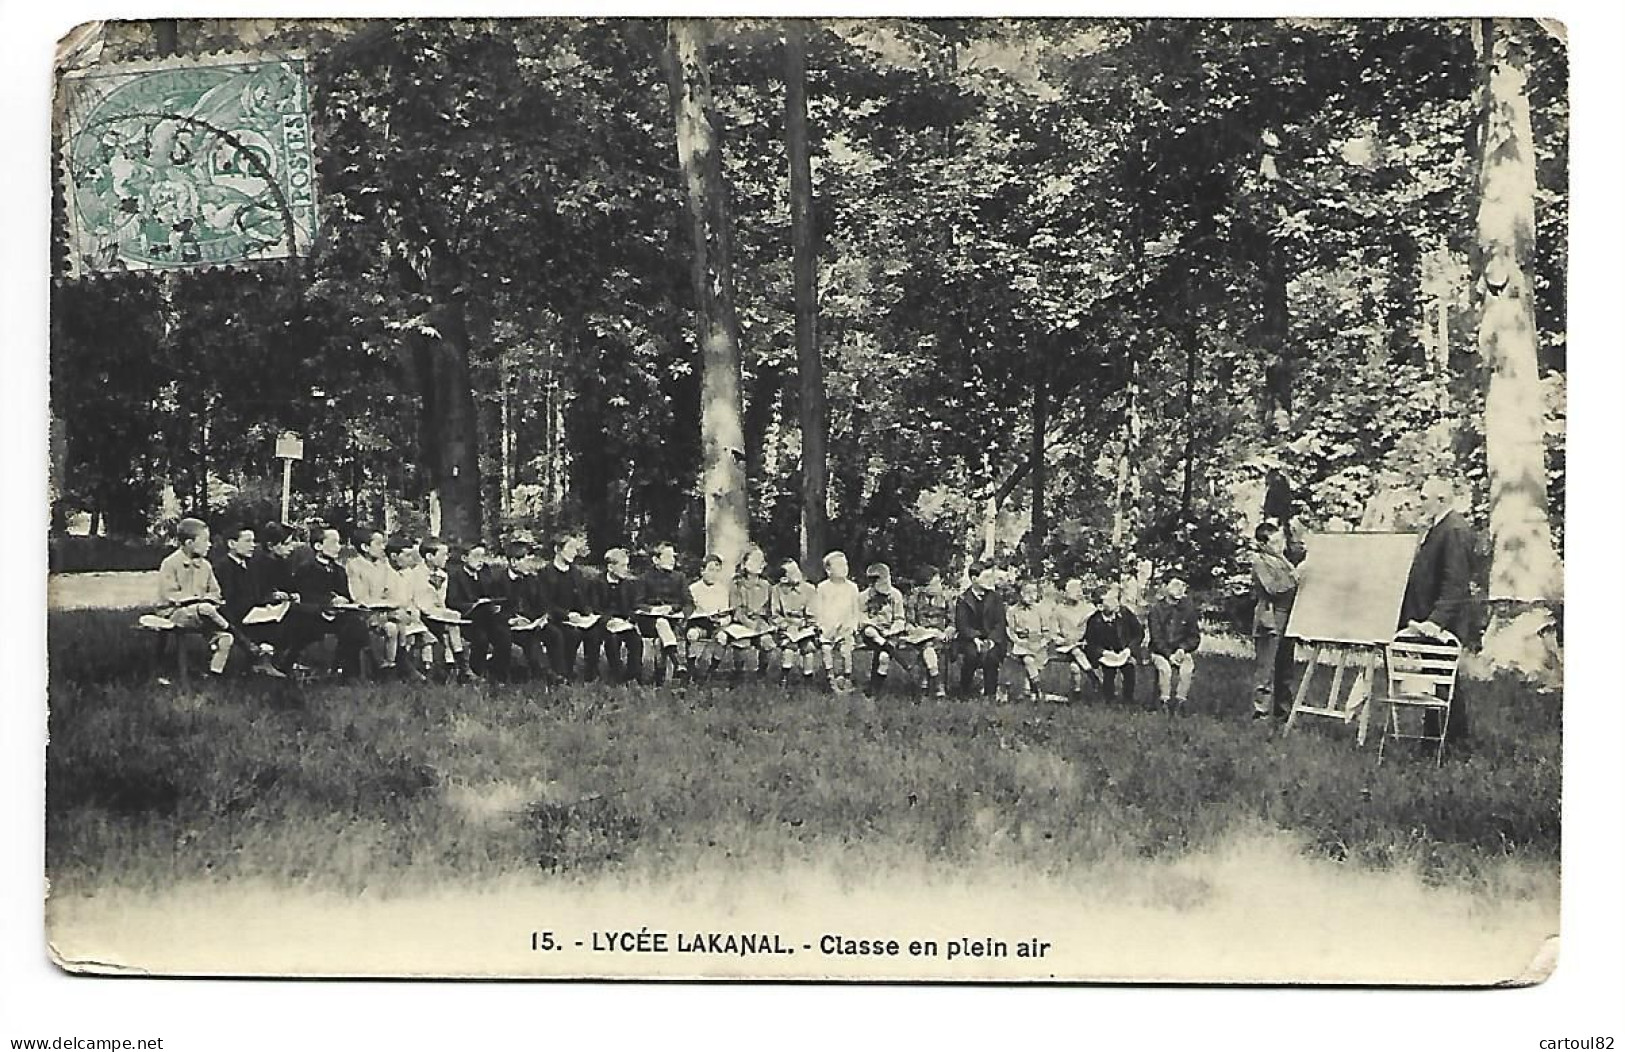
x=1069 y=292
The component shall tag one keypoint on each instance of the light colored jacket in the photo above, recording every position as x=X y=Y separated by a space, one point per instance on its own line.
x=1275 y=585
x=182 y=577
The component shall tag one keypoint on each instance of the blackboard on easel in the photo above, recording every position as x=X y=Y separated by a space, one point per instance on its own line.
x=1350 y=590
x=1351 y=586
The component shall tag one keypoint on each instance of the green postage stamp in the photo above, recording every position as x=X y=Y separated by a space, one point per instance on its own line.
x=187 y=163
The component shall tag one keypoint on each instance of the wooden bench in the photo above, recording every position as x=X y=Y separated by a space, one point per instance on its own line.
x=165 y=633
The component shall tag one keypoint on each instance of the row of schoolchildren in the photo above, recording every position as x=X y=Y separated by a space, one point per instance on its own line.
x=415 y=609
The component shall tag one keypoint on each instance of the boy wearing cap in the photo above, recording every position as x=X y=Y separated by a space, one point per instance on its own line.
x=1175 y=635
x=884 y=618
x=931 y=620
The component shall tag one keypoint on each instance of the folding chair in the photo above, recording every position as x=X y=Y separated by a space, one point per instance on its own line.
x=1421 y=678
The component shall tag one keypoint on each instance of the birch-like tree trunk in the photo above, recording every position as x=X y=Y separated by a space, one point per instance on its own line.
x=1524 y=565
x=722 y=437
x=804 y=265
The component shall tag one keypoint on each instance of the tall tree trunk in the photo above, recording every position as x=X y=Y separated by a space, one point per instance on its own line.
x=804 y=266
x=1524 y=565
x=1127 y=496
x=1040 y=522
x=450 y=422
x=1193 y=362
x=722 y=438
x=1276 y=404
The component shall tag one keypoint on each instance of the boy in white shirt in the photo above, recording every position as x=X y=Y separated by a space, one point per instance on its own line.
x=837 y=611
x=427 y=583
x=713 y=606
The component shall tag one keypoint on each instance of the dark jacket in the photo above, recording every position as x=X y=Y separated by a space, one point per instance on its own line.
x=318 y=582
x=618 y=598
x=667 y=588
x=1439 y=588
x=1100 y=633
x=463 y=589
x=1174 y=626
x=242 y=586
x=277 y=573
x=558 y=592
x=980 y=618
x=508 y=589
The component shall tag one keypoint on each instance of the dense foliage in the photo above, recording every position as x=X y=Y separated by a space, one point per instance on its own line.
x=1173 y=258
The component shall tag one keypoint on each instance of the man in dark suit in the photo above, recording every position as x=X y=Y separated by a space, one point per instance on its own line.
x=981 y=635
x=1438 y=602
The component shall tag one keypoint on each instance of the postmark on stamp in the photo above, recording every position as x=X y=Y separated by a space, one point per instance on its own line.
x=187 y=163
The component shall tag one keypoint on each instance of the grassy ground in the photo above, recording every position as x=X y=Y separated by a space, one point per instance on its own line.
x=392 y=787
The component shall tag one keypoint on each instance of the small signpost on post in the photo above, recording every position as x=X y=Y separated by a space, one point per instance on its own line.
x=289 y=448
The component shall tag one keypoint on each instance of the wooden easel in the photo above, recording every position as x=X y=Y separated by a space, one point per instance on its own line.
x=1340 y=657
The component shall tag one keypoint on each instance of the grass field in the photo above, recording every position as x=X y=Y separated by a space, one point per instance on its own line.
x=391 y=789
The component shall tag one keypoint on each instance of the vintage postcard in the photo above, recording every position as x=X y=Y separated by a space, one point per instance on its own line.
x=985 y=500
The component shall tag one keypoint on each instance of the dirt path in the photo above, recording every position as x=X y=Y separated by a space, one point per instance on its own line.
x=113 y=590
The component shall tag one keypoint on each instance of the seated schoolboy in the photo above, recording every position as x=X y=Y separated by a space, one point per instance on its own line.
x=620 y=597
x=666 y=603
x=1030 y=631
x=884 y=620
x=325 y=607
x=1175 y=634
x=245 y=587
x=1070 y=618
x=1112 y=639
x=838 y=612
x=503 y=585
x=712 y=610
x=529 y=613
x=404 y=613
x=370 y=577
x=931 y=625
x=981 y=634
x=189 y=596
x=429 y=584
x=751 y=631
x=487 y=633
x=790 y=611
x=573 y=620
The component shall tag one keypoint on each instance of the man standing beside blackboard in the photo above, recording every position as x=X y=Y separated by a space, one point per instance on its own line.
x=1437 y=601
